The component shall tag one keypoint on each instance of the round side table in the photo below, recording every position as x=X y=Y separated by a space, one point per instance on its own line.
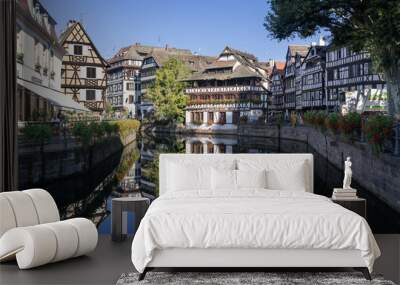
x=137 y=205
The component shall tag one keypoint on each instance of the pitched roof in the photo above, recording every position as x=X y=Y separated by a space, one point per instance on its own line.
x=70 y=28
x=240 y=72
x=193 y=61
x=197 y=62
x=66 y=32
x=249 y=67
x=279 y=67
x=221 y=64
x=302 y=50
x=240 y=53
x=161 y=56
x=320 y=50
x=128 y=52
x=266 y=66
x=138 y=51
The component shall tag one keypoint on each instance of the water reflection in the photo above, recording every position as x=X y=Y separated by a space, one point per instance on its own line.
x=134 y=171
x=87 y=194
x=381 y=218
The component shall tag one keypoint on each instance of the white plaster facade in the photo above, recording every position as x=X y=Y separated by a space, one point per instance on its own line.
x=39 y=58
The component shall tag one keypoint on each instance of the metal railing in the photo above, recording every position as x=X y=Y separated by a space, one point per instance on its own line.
x=223 y=89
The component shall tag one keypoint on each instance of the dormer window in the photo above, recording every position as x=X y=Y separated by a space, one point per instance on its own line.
x=77 y=50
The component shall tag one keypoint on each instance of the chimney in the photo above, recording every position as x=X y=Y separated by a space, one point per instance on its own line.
x=322 y=41
x=271 y=62
x=37 y=12
x=71 y=22
x=46 y=21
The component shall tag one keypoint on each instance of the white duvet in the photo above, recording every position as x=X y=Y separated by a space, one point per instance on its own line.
x=250 y=219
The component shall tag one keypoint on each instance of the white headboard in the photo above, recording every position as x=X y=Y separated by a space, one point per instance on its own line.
x=208 y=159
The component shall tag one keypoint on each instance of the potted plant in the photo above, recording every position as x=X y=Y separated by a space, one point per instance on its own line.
x=309 y=117
x=319 y=120
x=350 y=124
x=378 y=129
x=332 y=123
x=197 y=122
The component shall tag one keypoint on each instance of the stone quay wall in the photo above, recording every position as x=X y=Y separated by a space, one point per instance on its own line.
x=64 y=157
x=379 y=174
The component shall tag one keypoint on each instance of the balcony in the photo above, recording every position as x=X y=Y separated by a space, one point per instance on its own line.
x=355 y=80
x=224 y=101
x=312 y=70
x=86 y=83
x=96 y=106
x=312 y=86
x=223 y=89
x=290 y=90
x=349 y=59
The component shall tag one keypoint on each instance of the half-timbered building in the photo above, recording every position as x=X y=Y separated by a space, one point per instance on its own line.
x=347 y=70
x=83 y=74
x=156 y=59
x=123 y=78
x=298 y=62
x=277 y=88
x=294 y=56
x=313 y=79
x=234 y=85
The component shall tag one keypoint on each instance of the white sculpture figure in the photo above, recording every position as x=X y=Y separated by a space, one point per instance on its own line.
x=347 y=174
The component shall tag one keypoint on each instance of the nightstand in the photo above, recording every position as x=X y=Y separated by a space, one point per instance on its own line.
x=137 y=205
x=357 y=205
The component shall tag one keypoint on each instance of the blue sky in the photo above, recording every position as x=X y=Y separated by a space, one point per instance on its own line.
x=205 y=26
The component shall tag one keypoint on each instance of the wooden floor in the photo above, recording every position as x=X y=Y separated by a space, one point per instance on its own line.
x=110 y=259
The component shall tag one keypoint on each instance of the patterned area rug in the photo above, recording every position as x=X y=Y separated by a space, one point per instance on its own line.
x=243 y=278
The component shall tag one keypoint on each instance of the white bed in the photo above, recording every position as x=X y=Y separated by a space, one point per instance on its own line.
x=248 y=227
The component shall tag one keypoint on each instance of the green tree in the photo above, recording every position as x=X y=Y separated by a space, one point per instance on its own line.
x=167 y=94
x=370 y=25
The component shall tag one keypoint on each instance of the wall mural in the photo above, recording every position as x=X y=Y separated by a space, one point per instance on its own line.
x=92 y=129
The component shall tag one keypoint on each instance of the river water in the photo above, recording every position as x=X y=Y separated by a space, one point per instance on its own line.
x=136 y=169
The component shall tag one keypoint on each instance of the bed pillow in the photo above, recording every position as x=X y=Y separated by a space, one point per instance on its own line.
x=223 y=179
x=251 y=179
x=183 y=177
x=284 y=174
x=292 y=178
